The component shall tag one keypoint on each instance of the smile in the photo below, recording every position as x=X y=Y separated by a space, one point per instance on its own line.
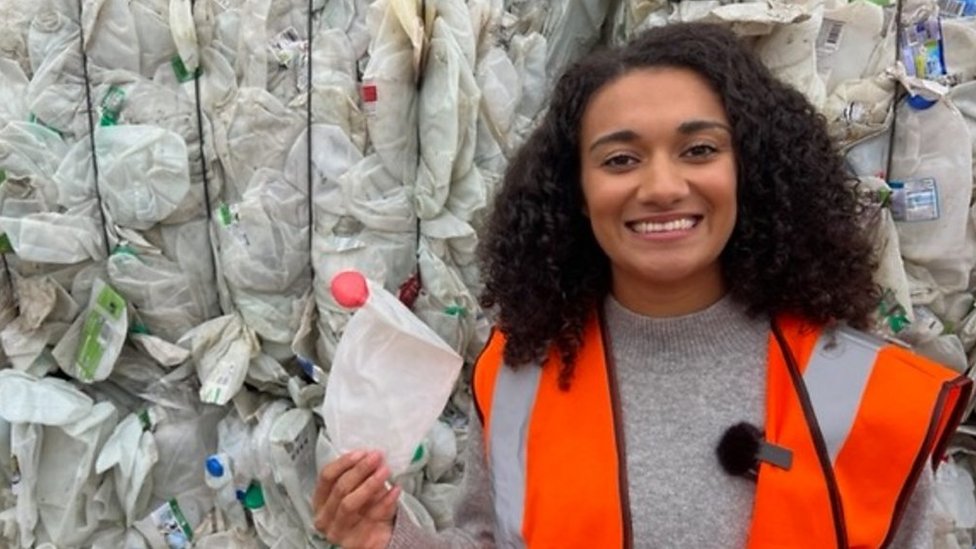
x=650 y=227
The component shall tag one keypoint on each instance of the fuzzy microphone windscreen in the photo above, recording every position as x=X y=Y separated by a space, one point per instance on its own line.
x=738 y=449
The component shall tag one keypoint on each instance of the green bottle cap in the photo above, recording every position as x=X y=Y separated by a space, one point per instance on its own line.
x=253 y=496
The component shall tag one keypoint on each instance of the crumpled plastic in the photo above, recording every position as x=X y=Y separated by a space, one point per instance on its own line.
x=254 y=131
x=170 y=299
x=130 y=452
x=221 y=349
x=448 y=122
x=851 y=41
x=264 y=252
x=633 y=16
x=110 y=34
x=745 y=19
x=572 y=29
x=933 y=158
x=335 y=92
x=789 y=53
x=390 y=90
x=959 y=36
x=45 y=313
x=13 y=86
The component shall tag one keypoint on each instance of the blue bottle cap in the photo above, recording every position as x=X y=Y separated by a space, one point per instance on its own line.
x=214 y=467
x=920 y=103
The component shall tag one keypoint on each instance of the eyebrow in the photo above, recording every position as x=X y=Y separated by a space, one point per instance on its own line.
x=686 y=128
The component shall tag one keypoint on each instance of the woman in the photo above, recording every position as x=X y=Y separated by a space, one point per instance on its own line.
x=677 y=245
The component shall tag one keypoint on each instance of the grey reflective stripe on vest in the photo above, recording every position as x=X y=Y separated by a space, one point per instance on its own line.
x=511 y=409
x=835 y=379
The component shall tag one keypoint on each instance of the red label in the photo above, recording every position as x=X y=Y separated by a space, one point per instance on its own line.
x=369 y=93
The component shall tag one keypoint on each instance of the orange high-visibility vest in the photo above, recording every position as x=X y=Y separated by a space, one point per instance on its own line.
x=861 y=418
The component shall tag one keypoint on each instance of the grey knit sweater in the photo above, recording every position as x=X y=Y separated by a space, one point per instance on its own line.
x=683 y=382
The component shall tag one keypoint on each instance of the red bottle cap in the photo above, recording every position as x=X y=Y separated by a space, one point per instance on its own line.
x=349 y=289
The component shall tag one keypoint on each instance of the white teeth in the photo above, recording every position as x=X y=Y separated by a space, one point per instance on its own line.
x=676 y=225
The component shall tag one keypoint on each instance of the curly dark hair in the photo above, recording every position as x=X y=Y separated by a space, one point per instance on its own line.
x=798 y=245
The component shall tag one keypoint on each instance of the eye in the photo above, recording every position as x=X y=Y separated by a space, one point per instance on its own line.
x=701 y=150
x=619 y=161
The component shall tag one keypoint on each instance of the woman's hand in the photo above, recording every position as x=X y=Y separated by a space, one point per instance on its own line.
x=353 y=507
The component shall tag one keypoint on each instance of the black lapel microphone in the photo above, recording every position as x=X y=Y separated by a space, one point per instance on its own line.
x=742 y=448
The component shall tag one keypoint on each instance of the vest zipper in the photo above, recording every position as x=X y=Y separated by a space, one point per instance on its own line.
x=619 y=435
x=840 y=523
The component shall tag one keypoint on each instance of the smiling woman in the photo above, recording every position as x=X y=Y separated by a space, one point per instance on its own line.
x=677 y=269
x=658 y=176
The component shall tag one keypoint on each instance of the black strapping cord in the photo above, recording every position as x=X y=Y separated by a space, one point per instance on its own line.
x=206 y=187
x=897 y=93
x=91 y=131
x=206 y=179
x=308 y=144
x=10 y=281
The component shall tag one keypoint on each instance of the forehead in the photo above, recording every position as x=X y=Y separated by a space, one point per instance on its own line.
x=660 y=96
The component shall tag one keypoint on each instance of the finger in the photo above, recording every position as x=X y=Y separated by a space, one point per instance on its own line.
x=350 y=481
x=371 y=490
x=385 y=507
x=360 y=504
x=331 y=473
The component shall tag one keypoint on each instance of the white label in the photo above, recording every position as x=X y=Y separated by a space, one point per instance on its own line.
x=828 y=42
x=287 y=46
x=952 y=8
x=915 y=200
x=830 y=34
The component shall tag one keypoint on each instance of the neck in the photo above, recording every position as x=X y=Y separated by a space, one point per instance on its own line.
x=667 y=300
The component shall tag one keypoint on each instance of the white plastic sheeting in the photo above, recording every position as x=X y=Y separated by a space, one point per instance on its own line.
x=215 y=186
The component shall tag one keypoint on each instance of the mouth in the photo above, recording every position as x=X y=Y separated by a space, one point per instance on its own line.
x=674 y=225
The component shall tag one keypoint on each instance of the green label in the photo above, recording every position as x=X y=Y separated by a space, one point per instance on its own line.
x=180 y=519
x=145 y=420
x=182 y=73
x=97 y=331
x=92 y=348
x=125 y=249
x=5 y=247
x=112 y=106
x=225 y=215
x=3 y=175
x=111 y=302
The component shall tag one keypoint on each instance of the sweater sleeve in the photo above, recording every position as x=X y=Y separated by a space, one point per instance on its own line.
x=474 y=516
x=917 y=528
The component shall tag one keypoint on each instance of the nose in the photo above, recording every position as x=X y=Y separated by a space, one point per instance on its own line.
x=662 y=182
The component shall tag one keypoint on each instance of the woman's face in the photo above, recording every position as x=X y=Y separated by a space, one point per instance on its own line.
x=658 y=171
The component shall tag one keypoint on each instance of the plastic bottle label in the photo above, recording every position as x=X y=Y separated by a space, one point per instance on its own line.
x=100 y=331
x=915 y=200
x=172 y=525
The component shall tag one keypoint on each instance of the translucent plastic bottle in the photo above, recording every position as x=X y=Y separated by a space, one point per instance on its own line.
x=391 y=374
x=220 y=479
